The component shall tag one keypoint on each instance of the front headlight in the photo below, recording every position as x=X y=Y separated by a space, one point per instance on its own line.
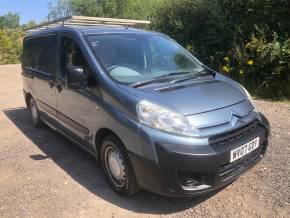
x=249 y=97
x=163 y=119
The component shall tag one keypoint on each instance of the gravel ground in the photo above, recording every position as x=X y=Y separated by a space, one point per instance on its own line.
x=44 y=175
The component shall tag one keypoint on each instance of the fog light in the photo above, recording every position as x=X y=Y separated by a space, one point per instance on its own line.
x=189 y=179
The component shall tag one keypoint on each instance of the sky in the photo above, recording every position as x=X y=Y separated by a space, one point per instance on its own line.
x=29 y=9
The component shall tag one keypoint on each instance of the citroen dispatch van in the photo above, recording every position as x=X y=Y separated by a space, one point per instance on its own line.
x=153 y=115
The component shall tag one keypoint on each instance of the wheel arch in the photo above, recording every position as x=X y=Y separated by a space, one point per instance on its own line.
x=28 y=96
x=101 y=134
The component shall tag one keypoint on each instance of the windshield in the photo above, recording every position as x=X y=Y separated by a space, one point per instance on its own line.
x=132 y=58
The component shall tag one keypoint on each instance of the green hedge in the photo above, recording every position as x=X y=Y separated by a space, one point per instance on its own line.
x=247 y=40
x=262 y=66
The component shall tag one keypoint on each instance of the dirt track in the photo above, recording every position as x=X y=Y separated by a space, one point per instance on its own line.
x=44 y=175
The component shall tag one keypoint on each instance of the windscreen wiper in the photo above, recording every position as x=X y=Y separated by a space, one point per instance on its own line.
x=204 y=72
x=155 y=79
x=211 y=71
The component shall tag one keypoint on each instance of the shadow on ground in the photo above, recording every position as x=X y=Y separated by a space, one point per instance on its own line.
x=86 y=171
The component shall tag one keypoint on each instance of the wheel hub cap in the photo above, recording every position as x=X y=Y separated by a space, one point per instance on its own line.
x=34 y=112
x=116 y=167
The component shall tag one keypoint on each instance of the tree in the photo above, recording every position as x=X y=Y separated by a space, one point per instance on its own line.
x=138 y=9
x=9 y=20
x=58 y=9
x=63 y=8
x=10 y=50
x=30 y=24
x=10 y=38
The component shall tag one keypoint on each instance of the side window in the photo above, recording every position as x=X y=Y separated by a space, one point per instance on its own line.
x=71 y=55
x=46 y=54
x=27 y=53
x=40 y=53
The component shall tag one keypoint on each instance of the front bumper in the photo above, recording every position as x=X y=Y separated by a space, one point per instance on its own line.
x=182 y=170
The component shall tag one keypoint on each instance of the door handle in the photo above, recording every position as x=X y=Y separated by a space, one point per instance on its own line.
x=51 y=83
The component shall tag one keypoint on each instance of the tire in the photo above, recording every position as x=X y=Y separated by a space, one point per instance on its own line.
x=117 y=168
x=34 y=114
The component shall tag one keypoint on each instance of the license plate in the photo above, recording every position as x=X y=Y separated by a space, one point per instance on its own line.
x=245 y=149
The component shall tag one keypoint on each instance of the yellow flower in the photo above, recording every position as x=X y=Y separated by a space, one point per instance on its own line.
x=226 y=59
x=250 y=62
x=248 y=45
x=226 y=69
x=241 y=72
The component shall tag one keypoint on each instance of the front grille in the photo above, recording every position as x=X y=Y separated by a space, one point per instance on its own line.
x=231 y=169
x=233 y=135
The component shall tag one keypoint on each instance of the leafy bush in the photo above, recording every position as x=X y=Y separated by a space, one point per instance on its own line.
x=10 y=46
x=196 y=24
x=10 y=39
x=223 y=34
x=135 y=9
x=262 y=66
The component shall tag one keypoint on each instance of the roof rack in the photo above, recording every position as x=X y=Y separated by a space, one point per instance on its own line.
x=86 y=21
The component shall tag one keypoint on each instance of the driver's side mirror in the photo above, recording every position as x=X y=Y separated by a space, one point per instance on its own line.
x=75 y=77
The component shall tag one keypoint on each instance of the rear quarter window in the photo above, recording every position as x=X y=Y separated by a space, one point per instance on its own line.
x=39 y=53
x=27 y=60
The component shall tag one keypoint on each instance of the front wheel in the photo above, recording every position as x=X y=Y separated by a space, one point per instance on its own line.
x=117 y=167
x=34 y=113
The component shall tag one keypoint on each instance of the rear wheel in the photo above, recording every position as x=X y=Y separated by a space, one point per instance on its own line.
x=34 y=113
x=117 y=167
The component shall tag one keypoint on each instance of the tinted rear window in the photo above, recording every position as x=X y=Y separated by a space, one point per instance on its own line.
x=40 y=53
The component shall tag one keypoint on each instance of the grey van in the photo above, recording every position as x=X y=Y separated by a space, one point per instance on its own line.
x=153 y=115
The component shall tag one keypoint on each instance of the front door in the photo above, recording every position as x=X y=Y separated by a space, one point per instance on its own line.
x=73 y=105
